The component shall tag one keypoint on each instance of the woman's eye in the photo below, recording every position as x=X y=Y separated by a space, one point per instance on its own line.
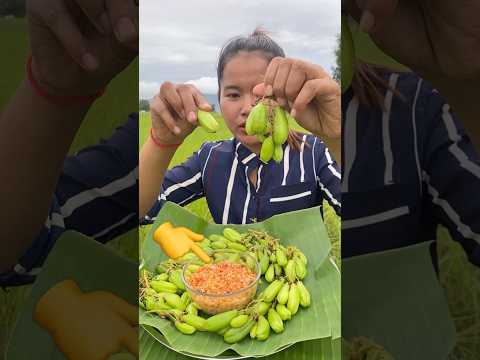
x=232 y=95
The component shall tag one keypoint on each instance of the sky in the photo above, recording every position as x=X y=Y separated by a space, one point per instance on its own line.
x=180 y=40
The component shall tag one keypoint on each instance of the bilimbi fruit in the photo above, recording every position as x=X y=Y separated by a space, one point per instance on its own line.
x=269 y=122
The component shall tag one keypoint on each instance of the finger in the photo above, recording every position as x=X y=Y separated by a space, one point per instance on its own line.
x=201 y=101
x=122 y=16
x=158 y=107
x=62 y=25
x=130 y=340
x=259 y=90
x=123 y=308
x=318 y=88
x=375 y=13
x=280 y=81
x=97 y=14
x=270 y=74
x=295 y=81
x=189 y=105
x=169 y=93
x=192 y=235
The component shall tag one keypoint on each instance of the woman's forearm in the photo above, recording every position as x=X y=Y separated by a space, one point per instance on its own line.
x=35 y=138
x=153 y=164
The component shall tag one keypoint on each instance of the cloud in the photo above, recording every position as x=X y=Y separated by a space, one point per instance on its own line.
x=181 y=40
x=148 y=89
x=206 y=85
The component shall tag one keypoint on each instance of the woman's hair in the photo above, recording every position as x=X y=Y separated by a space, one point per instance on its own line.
x=260 y=41
x=369 y=84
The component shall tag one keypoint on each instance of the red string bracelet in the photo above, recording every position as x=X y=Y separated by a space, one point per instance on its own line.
x=59 y=100
x=159 y=144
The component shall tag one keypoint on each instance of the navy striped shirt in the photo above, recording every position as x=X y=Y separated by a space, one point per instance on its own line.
x=407 y=169
x=96 y=194
x=219 y=171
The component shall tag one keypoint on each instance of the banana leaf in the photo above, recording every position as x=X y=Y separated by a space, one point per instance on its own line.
x=320 y=320
x=395 y=299
x=92 y=266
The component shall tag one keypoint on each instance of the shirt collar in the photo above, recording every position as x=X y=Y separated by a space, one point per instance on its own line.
x=244 y=155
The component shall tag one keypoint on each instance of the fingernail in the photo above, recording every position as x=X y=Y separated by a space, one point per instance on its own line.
x=89 y=61
x=269 y=90
x=105 y=22
x=293 y=113
x=206 y=106
x=125 y=30
x=367 y=21
x=176 y=129
x=191 y=116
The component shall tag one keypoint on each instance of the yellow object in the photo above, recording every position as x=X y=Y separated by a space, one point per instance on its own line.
x=176 y=242
x=87 y=326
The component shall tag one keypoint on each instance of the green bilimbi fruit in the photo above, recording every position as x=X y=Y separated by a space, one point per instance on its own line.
x=264 y=261
x=239 y=321
x=163 y=276
x=155 y=303
x=222 y=332
x=175 y=277
x=278 y=269
x=281 y=257
x=150 y=292
x=300 y=269
x=272 y=290
x=261 y=138
x=253 y=331
x=163 y=286
x=205 y=242
x=280 y=126
x=191 y=309
x=186 y=298
x=273 y=258
x=263 y=328
x=278 y=153
x=301 y=256
x=219 y=321
x=194 y=320
x=284 y=313
x=304 y=294
x=235 y=335
x=282 y=296
x=174 y=301
x=251 y=263
x=270 y=274
x=293 y=299
x=184 y=328
x=257 y=120
x=262 y=308
x=218 y=245
x=275 y=321
x=207 y=121
x=236 y=246
x=231 y=234
x=266 y=151
x=290 y=271
x=216 y=237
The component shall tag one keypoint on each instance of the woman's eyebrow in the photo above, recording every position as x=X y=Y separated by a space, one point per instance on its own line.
x=231 y=87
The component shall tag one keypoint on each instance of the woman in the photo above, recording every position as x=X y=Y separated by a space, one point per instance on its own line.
x=238 y=187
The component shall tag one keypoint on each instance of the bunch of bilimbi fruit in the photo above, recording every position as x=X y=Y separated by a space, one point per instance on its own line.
x=269 y=122
x=283 y=268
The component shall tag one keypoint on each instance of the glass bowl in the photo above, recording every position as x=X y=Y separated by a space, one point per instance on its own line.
x=217 y=303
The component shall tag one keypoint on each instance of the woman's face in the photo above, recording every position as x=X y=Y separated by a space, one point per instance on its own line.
x=241 y=74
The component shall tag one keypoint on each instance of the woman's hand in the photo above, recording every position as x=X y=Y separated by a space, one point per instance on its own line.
x=435 y=38
x=174 y=111
x=78 y=46
x=307 y=92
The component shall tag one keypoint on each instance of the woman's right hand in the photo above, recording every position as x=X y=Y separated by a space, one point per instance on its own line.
x=174 y=111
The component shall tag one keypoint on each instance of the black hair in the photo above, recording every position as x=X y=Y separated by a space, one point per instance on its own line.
x=259 y=40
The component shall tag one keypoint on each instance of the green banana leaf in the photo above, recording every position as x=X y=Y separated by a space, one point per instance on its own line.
x=320 y=320
x=92 y=266
x=394 y=298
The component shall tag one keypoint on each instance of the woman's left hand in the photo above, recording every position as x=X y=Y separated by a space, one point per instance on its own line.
x=307 y=92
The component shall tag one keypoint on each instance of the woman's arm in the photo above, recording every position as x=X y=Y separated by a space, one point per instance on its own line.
x=173 y=114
